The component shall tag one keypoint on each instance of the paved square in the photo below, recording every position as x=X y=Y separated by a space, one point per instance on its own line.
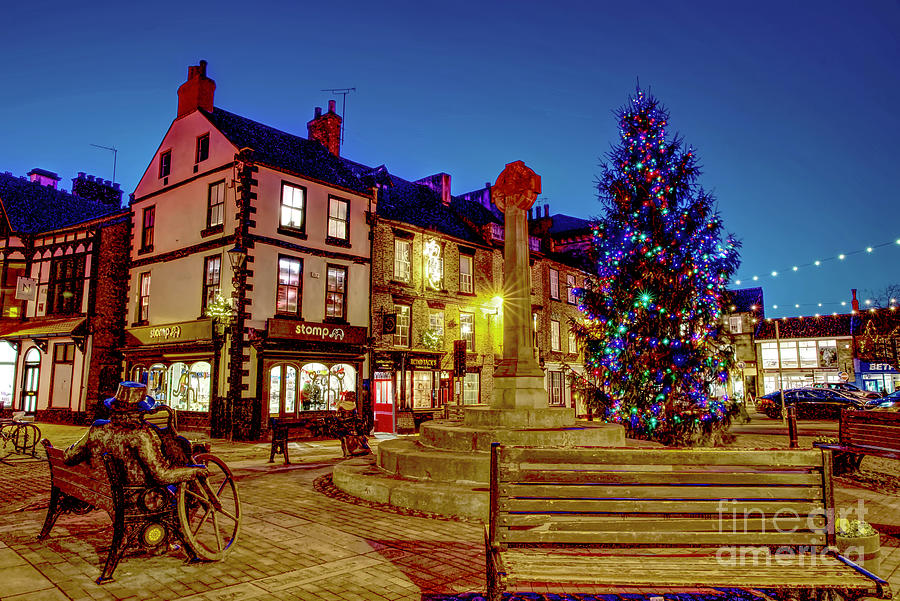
x=296 y=543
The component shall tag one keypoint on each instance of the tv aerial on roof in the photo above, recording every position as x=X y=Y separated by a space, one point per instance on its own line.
x=343 y=92
x=115 y=152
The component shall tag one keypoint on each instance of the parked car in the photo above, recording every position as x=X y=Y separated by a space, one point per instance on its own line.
x=848 y=388
x=811 y=403
x=890 y=402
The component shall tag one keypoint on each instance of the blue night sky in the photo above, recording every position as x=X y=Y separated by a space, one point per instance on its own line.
x=790 y=106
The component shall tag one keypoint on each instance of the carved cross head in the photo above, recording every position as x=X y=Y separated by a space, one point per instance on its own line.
x=517 y=187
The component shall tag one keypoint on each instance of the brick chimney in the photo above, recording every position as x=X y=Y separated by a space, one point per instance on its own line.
x=326 y=129
x=440 y=183
x=197 y=92
x=97 y=189
x=43 y=177
x=854 y=302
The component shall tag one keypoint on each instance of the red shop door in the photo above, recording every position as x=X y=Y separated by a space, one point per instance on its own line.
x=384 y=406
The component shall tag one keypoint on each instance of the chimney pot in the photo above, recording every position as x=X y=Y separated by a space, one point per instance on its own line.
x=546 y=210
x=318 y=111
x=90 y=178
x=331 y=106
x=81 y=174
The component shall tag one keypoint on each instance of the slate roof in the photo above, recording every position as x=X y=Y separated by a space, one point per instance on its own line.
x=475 y=212
x=421 y=206
x=281 y=150
x=744 y=299
x=565 y=224
x=32 y=208
x=807 y=327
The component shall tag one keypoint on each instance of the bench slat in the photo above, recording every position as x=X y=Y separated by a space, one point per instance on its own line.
x=612 y=523
x=795 y=478
x=655 y=506
x=66 y=477
x=601 y=491
x=874 y=437
x=692 y=570
x=673 y=457
x=627 y=538
x=887 y=430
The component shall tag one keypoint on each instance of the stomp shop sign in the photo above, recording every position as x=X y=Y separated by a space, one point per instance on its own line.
x=316 y=332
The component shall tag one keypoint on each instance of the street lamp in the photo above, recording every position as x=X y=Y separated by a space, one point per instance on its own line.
x=237 y=256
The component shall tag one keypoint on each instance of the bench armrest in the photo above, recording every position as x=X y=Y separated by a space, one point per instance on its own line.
x=884 y=588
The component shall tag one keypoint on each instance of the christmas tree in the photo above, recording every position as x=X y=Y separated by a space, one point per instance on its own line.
x=653 y=305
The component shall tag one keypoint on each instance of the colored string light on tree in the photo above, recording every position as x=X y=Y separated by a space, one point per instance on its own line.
x=654 y=304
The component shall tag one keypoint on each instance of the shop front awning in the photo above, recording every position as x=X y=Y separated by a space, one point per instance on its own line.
x=41 y=328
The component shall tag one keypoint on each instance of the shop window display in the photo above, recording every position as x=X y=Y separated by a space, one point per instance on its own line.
x=311 y=387
x=181 y=386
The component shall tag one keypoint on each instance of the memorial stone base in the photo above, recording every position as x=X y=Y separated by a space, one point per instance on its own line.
x=446 y=469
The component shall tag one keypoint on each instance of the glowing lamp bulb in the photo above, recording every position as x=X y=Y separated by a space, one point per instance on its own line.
x=842 y=256
x=817 y=263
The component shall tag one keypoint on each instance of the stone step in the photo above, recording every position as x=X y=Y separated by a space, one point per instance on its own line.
x=361 y=478
x=407 y=458
x=459 y=437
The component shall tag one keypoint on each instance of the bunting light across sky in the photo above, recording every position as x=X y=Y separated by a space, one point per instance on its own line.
x=774 y=273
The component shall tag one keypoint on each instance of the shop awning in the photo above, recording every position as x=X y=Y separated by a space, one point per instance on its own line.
x=44 y=327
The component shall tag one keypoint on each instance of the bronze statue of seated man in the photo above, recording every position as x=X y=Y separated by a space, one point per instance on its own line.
x=133 y=442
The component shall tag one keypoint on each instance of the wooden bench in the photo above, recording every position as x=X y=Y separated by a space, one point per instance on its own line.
x=654 y=518
x=138 y=519
x=861 y=433
x=285 y=429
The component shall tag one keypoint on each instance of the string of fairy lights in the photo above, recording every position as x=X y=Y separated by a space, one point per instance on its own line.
x=865 y=305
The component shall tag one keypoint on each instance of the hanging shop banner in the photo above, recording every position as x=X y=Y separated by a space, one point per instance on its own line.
x=185 y=331
x=316 y=332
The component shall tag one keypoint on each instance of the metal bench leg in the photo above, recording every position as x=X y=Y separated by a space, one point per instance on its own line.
x=53 y=512
x=116 y=551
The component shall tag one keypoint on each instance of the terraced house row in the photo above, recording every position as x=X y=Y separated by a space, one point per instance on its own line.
x=259 y=273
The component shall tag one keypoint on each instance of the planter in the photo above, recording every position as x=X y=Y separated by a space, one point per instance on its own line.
x=864 y=551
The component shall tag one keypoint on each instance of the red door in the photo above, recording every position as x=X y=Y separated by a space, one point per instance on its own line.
x=384 y=406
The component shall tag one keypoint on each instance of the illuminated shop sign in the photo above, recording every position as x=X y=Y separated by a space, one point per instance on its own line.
x=394 y=361
x=186 y=331
x=317 y=332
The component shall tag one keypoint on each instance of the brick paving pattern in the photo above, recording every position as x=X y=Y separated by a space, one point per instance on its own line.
x=296 y=542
